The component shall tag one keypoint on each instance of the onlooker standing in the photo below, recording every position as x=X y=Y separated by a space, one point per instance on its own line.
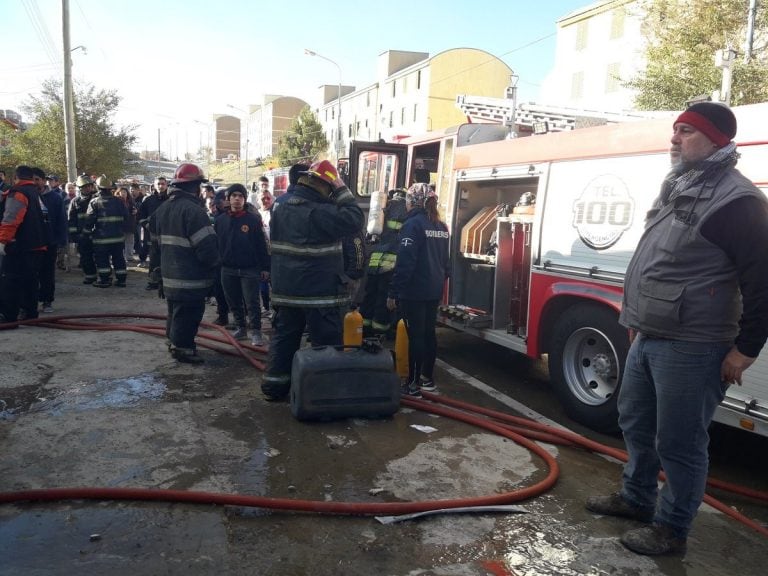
x=147 y=208
x=244 y=262
x=215 y=206
x=130 y=222
x=421 y=268
x=184 y=246
x=265 y=211
x=3 y=184
x=23 y=240
x=55 y=185
x=307 y=227
x=57 y=226
x=255 y=195
x=137 y=197
x=76 y=218
x=696 y=304
x=105 y=222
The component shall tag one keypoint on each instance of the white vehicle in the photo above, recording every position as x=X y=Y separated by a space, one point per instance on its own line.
x=545 y=277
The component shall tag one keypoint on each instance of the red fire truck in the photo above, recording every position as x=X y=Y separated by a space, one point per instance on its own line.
x=543 y=228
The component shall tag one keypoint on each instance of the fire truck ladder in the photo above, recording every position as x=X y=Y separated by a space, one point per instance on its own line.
x=557 y=118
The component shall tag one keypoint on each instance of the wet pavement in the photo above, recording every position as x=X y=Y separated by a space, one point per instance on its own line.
x=111 y=409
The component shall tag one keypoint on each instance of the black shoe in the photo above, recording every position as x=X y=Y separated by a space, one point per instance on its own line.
x=151 y=286
x=89 y=280
x=616 y=505
x=221 y=321
x=102 y=284
x=654 y=540
x=187 y=357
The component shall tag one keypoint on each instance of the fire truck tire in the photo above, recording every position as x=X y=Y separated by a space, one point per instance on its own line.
x=586 y=361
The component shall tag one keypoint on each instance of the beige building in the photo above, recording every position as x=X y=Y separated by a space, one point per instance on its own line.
x=226 y=137
x=413 y=93
x=268 y=121
x=599 y=48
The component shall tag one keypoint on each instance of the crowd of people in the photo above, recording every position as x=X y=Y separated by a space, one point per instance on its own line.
x=297 y=260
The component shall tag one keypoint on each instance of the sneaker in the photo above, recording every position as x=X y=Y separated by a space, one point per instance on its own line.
x=240 y=334
x=47 y=308
x=427 y=385
x=616 y=505
x=221 y=321
x=654 y=540
x=411 y=390
x=266 y=313
x=152 y=286
x=257 y=339
x=141 y=264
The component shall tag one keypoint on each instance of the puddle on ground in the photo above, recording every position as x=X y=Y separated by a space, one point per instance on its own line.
x=114 y=393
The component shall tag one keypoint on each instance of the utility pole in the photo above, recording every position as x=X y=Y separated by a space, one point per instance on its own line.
x=724 y=60
x=69 y=107
x=750 y=31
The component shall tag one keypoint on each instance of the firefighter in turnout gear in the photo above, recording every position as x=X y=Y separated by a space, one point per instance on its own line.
x=377 y=318
x=75 y=220
x=104 y=223
x=307 y=227
x=184 y=244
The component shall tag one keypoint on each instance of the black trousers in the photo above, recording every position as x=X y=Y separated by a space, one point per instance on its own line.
x=87 y=262
x=20 y=284
x=48 y=274
x=377 y=318
x=325 y=329
x=420 y=319
x=103 y=253
x=184 y=317
x=222 y=307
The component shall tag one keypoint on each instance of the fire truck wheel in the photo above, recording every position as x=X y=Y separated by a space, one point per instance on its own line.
x=586 y=360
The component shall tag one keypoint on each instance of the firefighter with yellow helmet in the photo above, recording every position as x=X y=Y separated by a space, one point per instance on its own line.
x=75 y=220
x=104 y=223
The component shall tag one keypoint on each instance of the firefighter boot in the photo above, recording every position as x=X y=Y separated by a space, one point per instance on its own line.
x=120 y=280
x=103 y=282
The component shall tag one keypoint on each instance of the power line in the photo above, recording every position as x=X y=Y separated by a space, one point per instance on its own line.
x=33 y=12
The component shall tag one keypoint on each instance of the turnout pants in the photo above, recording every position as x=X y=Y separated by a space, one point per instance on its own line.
x=184 y=317
x=87 y=262
x=103 y=253
x=325 y=329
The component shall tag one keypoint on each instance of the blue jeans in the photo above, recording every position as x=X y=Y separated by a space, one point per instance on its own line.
x=668 y=396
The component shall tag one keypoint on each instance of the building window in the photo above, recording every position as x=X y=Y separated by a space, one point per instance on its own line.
x=391 y=119
x=402 y=116
x=613 y=78
x=617 y=23
x=418 y=80
x=394 y=88
x=366 y=123
x=581 y=34
x=367 y=99
x=326 y=114
x=577 y=85
x=415 y=108
x=405 y=84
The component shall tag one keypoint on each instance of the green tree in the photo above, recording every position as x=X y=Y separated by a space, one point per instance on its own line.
x=683 y=36
x=304 y=139
x=102 y=148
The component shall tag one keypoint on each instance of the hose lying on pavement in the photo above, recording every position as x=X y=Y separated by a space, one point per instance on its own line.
x=523 y=431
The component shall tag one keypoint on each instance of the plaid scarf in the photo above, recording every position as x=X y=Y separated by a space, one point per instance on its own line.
x=682 y=176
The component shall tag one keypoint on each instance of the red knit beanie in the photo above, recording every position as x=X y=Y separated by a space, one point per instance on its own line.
x=715 y=121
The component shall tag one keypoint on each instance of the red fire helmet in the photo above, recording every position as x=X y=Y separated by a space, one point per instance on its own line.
x=188 y=172
x=323 y=170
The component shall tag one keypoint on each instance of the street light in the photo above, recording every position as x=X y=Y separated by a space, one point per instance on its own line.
x=309 y=52
x=247 y=120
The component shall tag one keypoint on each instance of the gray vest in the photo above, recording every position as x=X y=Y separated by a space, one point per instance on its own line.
x=678 y=284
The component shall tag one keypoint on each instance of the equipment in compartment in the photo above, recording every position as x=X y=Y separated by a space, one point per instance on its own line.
x=470 y=317
x=477 y=234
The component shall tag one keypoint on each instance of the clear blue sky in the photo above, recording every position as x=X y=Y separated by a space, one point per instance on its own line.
x=174 y=62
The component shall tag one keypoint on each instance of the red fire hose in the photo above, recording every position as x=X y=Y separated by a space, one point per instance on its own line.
x=520 y=430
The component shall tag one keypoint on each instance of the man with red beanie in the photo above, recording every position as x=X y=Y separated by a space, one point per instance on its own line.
x=696 y=305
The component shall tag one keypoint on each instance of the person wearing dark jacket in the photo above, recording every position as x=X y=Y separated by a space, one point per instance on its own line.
x=377 y=318
x=57 y=236
x=421 y=268
x=244 y=262
x=105 y=224
x=23 y=241
x=307 y=228
x=147 y=208
x=184 y=244
x=75 y=219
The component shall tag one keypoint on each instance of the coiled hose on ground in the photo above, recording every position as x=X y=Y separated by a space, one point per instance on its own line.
x=523 y=431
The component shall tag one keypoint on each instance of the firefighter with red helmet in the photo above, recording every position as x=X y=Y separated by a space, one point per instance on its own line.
x=184 y=244
x=104 y=223
x=307 y=227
